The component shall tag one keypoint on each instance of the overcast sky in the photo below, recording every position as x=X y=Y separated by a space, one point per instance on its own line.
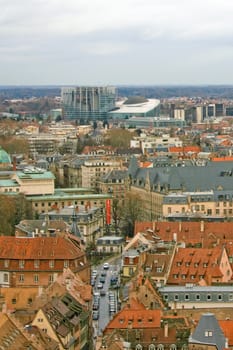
x=74 y=42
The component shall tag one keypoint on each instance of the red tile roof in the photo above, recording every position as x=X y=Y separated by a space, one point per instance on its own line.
x=207 y=233
x=185 y=149
x=136 y=319
x=38 y=248
x=187 y=270
x=227 y=328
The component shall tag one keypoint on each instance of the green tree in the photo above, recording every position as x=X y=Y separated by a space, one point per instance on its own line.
x=13 y=209
x=131 y=211
x=118 y=138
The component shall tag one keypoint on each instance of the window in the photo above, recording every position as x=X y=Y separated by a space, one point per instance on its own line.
x=66 y=263
x=13 y=301
x=176 y=297
x=197 y=296
x=186 y=297
x=131 y=261
x=21 y=278
x=21 y=264
x=220 y=297
x=51 y=279
x=36 y=263
x=5 y=278
x=230 y=297
x=6 y=263
x=217 y=211
x=36 y=278
x=209 y=297
x=208 y=333
x=51 y=263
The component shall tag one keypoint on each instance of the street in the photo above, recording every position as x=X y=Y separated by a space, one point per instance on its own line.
x=107 y=297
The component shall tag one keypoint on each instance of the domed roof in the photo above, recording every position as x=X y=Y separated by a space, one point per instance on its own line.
x=4 y=157
x=132 y=100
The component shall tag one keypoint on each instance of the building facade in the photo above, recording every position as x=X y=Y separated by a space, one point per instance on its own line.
x=37 y=261
x=87 y=103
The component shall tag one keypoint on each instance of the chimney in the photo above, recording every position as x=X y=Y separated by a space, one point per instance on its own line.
x=165 y=329
x=202 y=226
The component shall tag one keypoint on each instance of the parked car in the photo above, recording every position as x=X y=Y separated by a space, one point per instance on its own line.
x=102 y=279
x=102 y=293
x=100 y=285
x=106 y=266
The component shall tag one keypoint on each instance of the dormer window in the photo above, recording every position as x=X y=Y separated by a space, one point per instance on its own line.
x=208 y=333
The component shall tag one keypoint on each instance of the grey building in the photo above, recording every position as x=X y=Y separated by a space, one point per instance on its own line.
x=87 y=102
x=195 y=296
x=208 y=334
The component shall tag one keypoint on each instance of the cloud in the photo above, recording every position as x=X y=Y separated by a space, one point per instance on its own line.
x=174 y=35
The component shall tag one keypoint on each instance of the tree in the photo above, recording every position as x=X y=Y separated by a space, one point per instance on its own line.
x=13 y=209
x=131 y=211
x=116 y=213
x=118 y=138
x=12 y=144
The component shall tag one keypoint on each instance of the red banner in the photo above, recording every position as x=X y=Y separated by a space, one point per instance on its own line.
x=108 y=211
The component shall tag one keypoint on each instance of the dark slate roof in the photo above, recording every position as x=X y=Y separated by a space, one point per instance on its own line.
x=213 y=176
x=208 y=332
x=115 y=175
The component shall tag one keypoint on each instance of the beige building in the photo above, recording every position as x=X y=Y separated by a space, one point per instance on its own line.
x=92 y=171
x=30 y=181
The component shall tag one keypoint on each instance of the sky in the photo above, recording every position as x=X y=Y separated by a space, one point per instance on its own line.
x=116 y=42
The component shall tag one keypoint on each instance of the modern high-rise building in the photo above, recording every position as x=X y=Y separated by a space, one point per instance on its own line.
x=88 y=103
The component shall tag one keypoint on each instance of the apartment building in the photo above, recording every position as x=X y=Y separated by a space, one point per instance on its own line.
x=150 y=144
x=94 y=170
x=167 y=188
x=37 y=261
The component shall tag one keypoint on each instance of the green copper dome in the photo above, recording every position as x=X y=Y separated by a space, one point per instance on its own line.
x=4 y=157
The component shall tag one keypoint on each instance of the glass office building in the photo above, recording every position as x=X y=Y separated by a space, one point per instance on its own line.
x=87 y=103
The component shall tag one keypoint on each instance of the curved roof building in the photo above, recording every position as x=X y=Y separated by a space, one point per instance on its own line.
x=136 y=106
x=5 y=159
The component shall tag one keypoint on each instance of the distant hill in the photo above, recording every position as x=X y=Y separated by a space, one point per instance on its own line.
x=157 y=91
